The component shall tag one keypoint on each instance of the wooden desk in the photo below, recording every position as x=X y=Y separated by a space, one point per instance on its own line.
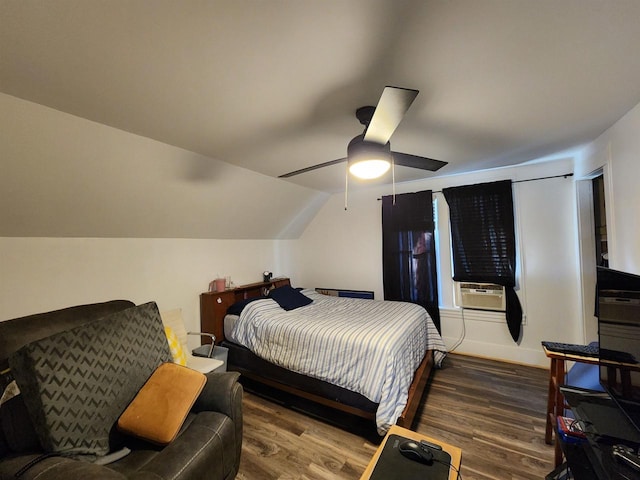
x=556 y=404
x=455 y=452
x=555 y=401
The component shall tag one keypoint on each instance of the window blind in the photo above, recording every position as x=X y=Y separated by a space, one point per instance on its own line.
x=483 y=240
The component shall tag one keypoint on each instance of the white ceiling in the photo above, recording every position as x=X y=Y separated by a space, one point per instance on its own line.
x=272 y=86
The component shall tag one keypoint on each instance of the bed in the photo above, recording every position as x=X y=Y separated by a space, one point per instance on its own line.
x=367 y=358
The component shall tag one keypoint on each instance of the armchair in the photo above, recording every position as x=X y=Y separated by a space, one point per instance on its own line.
x=208 y=445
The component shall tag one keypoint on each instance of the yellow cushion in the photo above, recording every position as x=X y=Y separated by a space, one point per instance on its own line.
x=177 y=352
x=159 y=409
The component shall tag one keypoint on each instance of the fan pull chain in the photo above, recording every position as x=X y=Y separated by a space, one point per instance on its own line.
x=346 y=186
x=393 y=179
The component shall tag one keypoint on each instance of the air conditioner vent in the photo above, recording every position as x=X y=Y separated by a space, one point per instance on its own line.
x=480 y=296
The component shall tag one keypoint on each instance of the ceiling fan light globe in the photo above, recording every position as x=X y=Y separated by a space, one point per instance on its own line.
x=369 y=169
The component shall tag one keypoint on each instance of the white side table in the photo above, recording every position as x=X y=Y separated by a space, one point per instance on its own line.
x=219 y=353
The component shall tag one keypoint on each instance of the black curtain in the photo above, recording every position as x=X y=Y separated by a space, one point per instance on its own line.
x=483 y=240
x=408 y=251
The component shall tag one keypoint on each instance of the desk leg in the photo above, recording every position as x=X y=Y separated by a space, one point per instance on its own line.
x=555 y=405
x=551 y=395
x=555 y=402
x=559 y=382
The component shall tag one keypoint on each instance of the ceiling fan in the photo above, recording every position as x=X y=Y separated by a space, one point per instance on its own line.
x=369 y=154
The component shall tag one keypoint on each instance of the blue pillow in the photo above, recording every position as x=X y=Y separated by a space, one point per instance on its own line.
x=289 y=298
x=236 y=308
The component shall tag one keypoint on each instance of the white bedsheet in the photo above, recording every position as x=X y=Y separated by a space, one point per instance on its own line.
x=367 y=346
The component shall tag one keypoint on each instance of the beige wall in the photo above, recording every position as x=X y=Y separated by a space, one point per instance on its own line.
x=617 y=151
x=64 y=176
x=41 y=274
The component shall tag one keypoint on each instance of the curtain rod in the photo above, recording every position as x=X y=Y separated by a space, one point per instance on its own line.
x=565 y=175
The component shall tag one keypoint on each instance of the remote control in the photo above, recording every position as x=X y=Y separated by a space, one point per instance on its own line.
x=624 y=454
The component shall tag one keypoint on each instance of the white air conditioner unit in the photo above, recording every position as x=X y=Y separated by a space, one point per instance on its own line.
x=480 y=296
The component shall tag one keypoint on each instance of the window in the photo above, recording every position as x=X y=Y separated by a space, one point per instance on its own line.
x=408 y=251
x=483 y=240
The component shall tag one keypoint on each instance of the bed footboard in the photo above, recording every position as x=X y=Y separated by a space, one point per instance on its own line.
x=258 y=370
x=416 y=390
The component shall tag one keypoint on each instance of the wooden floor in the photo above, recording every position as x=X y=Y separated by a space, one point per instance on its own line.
x=494 y=411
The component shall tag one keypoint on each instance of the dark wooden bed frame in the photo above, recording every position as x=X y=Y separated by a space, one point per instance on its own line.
x=213 y=308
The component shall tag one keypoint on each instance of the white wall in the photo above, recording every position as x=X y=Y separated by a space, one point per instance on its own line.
x=338 y=248
x=64 y=176
x=41 y=274
x=343 y=249
x=618 y=151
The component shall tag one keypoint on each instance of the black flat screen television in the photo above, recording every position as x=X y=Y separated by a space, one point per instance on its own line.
x=618 y=311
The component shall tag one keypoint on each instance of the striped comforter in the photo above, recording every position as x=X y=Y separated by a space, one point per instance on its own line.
x=367 y=346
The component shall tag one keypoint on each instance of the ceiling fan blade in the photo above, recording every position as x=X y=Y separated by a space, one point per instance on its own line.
x=394 y=103
x=408 y=160
x=313 y=167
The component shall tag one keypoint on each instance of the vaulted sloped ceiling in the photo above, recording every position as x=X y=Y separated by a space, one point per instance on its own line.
x=272 y=86
x=63 y=176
